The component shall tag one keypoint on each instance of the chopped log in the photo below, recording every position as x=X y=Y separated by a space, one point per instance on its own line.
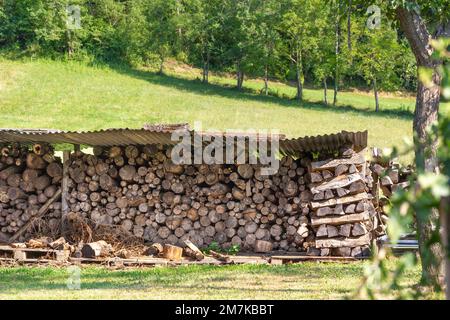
x=58 y=244
x=245 y=171
x=303 y=230
x=263 y=246
x=324 y=211
x=195 y=251
x=96 y=249
x=350 y=218
x=333 y=163
x=350 y=208
x=155 y=249
x=315 y=177
x=358 y=229
x=35 y=162
x=338 y=210
x=357 y=187
x=343 y=242
x=340 y=169
x=338 y=182
x=345 y=229
x=127 y=172
x=54 y=169
x=326 y=174
x=343 y=200
x=172 y=252
x=328 y=194
x=332 y=231
x=322 y=231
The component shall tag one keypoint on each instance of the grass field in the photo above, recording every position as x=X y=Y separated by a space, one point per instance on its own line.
x=296 y=281
x=75 y=96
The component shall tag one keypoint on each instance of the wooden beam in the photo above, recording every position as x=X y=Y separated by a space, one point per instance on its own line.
x=343 y=242
x=348 y=218
x=337 y=182
x=332 y=202
x=356 y=159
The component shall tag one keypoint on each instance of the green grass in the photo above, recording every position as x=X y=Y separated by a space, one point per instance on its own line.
x=296 y=281
x=75 y=96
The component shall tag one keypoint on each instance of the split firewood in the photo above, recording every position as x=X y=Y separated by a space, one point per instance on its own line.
x=171 y=252
x=96 y=249
x=193 y=251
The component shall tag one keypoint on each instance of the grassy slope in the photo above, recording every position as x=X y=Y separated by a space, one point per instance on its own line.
x=42 y=94
x=296 y=281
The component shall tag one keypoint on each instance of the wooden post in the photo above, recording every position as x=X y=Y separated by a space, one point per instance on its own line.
x=76 y=147
x=65 y=180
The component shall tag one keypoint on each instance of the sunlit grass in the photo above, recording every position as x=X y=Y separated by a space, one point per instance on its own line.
x=296 y=281
x=75 y=96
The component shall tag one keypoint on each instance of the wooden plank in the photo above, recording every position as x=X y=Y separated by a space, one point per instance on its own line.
x=348 y=218
x=356 y=159
x=337 y=182
x=332 y=202
x=8 y=248
x=39 y=214
x=343 y=242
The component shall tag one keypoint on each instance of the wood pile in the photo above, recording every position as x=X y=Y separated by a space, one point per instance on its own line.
x=391 y=177
x=343 y=213
x=388 y=177
x=140 y=189
x=29 y=177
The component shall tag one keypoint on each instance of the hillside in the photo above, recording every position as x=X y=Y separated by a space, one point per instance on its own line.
x=75 y=96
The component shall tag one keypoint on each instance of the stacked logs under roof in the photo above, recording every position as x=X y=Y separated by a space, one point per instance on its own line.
x=322 y=207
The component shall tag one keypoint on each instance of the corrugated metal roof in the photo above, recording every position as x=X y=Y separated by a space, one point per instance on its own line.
x=108 y=137
x=153 y=134
x=327 y=142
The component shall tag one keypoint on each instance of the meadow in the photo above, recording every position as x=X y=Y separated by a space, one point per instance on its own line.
x=79 y=96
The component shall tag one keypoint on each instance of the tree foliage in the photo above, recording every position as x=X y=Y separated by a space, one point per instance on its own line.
x=291 y=40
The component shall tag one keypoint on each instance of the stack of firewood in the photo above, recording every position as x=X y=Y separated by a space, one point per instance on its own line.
x=343 y=214
x=28 y=179
x=391 y=177
x=142 y=190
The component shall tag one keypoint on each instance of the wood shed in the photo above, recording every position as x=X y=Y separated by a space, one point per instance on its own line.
x=319 y=201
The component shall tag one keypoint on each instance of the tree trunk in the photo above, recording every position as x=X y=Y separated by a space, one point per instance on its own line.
x=337 y=52
x=266 y=80
x=240 y=76
x=298 y=76
x=349 y=27
x=375 y=91
x=325 y=98
x=206 y=68
x=426 y=113
x=161 y=66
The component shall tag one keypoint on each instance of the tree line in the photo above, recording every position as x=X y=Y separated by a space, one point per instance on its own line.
x=318 y=42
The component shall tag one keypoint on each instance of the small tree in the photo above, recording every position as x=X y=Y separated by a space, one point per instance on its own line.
x=377 y=55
